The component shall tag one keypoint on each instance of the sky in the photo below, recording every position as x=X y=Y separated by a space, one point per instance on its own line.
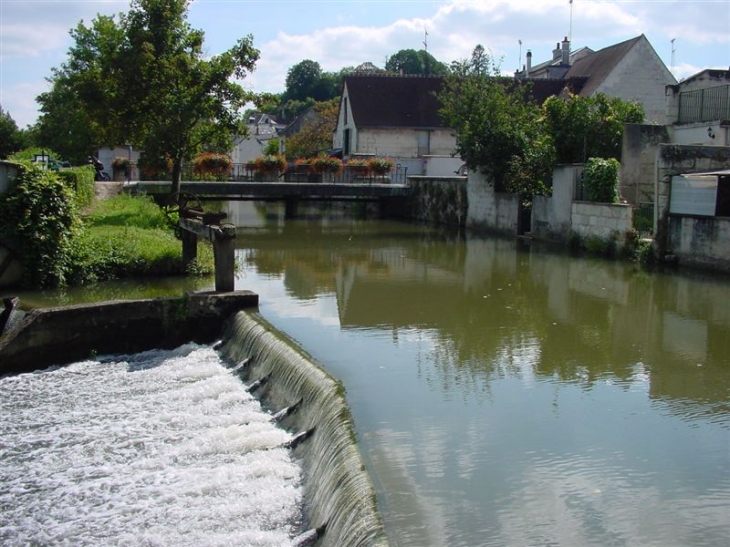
x=688 y=35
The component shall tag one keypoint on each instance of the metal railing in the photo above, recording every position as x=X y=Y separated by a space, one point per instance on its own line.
x=704 y=105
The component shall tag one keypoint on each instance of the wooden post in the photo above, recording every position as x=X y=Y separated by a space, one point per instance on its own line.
x=189 y=247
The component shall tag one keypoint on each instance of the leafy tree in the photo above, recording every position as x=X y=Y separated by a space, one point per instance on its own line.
x=302 y=80
x=498 y=131
x=65 y=125
x=146 y=80
x=315 y=136
x=585 y=127
x=11 y=138
x=307 y=84
x=410 y=61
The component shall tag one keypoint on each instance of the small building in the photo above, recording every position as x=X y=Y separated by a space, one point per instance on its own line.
x=395 y=116
x=698 y=108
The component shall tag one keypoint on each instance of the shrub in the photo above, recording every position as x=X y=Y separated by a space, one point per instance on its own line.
x=81 y=181
x=600 y=180
x=40 y=215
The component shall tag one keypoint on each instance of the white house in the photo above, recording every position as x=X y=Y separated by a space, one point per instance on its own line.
x=630 y=70
x=394 y=116
x=261 y=129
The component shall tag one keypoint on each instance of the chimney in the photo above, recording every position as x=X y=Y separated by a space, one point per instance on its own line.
x=557 y=52
x=566 y=52
x=529 y=63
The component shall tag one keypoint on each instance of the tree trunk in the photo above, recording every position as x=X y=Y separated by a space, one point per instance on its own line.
x=176 y=173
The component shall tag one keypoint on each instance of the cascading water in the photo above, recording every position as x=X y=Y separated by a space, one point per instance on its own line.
x=159 y=448
x=338 y=492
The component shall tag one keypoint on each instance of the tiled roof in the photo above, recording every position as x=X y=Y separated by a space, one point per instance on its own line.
x=394 y=101
x=411 y=101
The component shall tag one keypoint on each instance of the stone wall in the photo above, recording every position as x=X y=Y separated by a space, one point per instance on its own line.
x=438 y=200
x=488 y=210
x=602 y=220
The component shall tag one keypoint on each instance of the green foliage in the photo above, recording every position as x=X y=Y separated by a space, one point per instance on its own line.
x=41 y=218
x=584 y=127
x=410 y=61
x=11 y=138
x=127 y=236
x=498 y=131
x=272 y=147
x=126 y=210
x=81 y=181
x=600 y=180
x=315 y=135
x=146 y=79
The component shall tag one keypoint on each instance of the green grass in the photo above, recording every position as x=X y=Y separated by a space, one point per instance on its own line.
x=128 y=236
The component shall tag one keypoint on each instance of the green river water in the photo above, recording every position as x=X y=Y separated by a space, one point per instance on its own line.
x=503 y=394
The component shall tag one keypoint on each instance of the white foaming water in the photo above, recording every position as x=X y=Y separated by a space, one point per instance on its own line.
x=160 y=448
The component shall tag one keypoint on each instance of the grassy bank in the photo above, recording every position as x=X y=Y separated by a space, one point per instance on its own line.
x=129 y=236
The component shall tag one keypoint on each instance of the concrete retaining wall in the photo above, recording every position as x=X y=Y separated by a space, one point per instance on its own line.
x=55 y=336
x=702 y=242
x=438 y=200
x=488 y=210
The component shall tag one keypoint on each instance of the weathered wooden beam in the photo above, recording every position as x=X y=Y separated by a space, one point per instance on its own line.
x=223 y=238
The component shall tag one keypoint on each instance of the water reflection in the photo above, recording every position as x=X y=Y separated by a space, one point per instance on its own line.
x=507 y=394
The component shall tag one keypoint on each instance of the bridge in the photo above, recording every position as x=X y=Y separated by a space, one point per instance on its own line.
x=277 y=191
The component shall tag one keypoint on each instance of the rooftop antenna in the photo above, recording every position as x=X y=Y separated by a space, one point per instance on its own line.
x=425 y=45
x=570 y=31
x=672 y=62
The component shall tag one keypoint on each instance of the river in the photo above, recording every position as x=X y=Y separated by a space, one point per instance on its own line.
x=503 y=394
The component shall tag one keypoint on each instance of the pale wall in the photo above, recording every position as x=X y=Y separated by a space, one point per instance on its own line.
x=488 y=210
x=401 y=142
x=551 y=216
x=638 y=161
x=641 y=76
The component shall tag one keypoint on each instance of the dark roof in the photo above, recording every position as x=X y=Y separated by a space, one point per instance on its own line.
x=597 y=66
x=394 y=101
x=411 y=101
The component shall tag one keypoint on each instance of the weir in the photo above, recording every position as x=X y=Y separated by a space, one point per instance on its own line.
x=339 y=497
x=340 y=506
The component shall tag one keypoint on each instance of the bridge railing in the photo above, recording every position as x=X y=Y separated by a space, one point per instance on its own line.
x=241 y=172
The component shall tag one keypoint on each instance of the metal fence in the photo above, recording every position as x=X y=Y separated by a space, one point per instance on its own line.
x=704 y=105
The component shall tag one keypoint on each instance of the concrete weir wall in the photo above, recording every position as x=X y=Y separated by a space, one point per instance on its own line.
x=56 y=336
